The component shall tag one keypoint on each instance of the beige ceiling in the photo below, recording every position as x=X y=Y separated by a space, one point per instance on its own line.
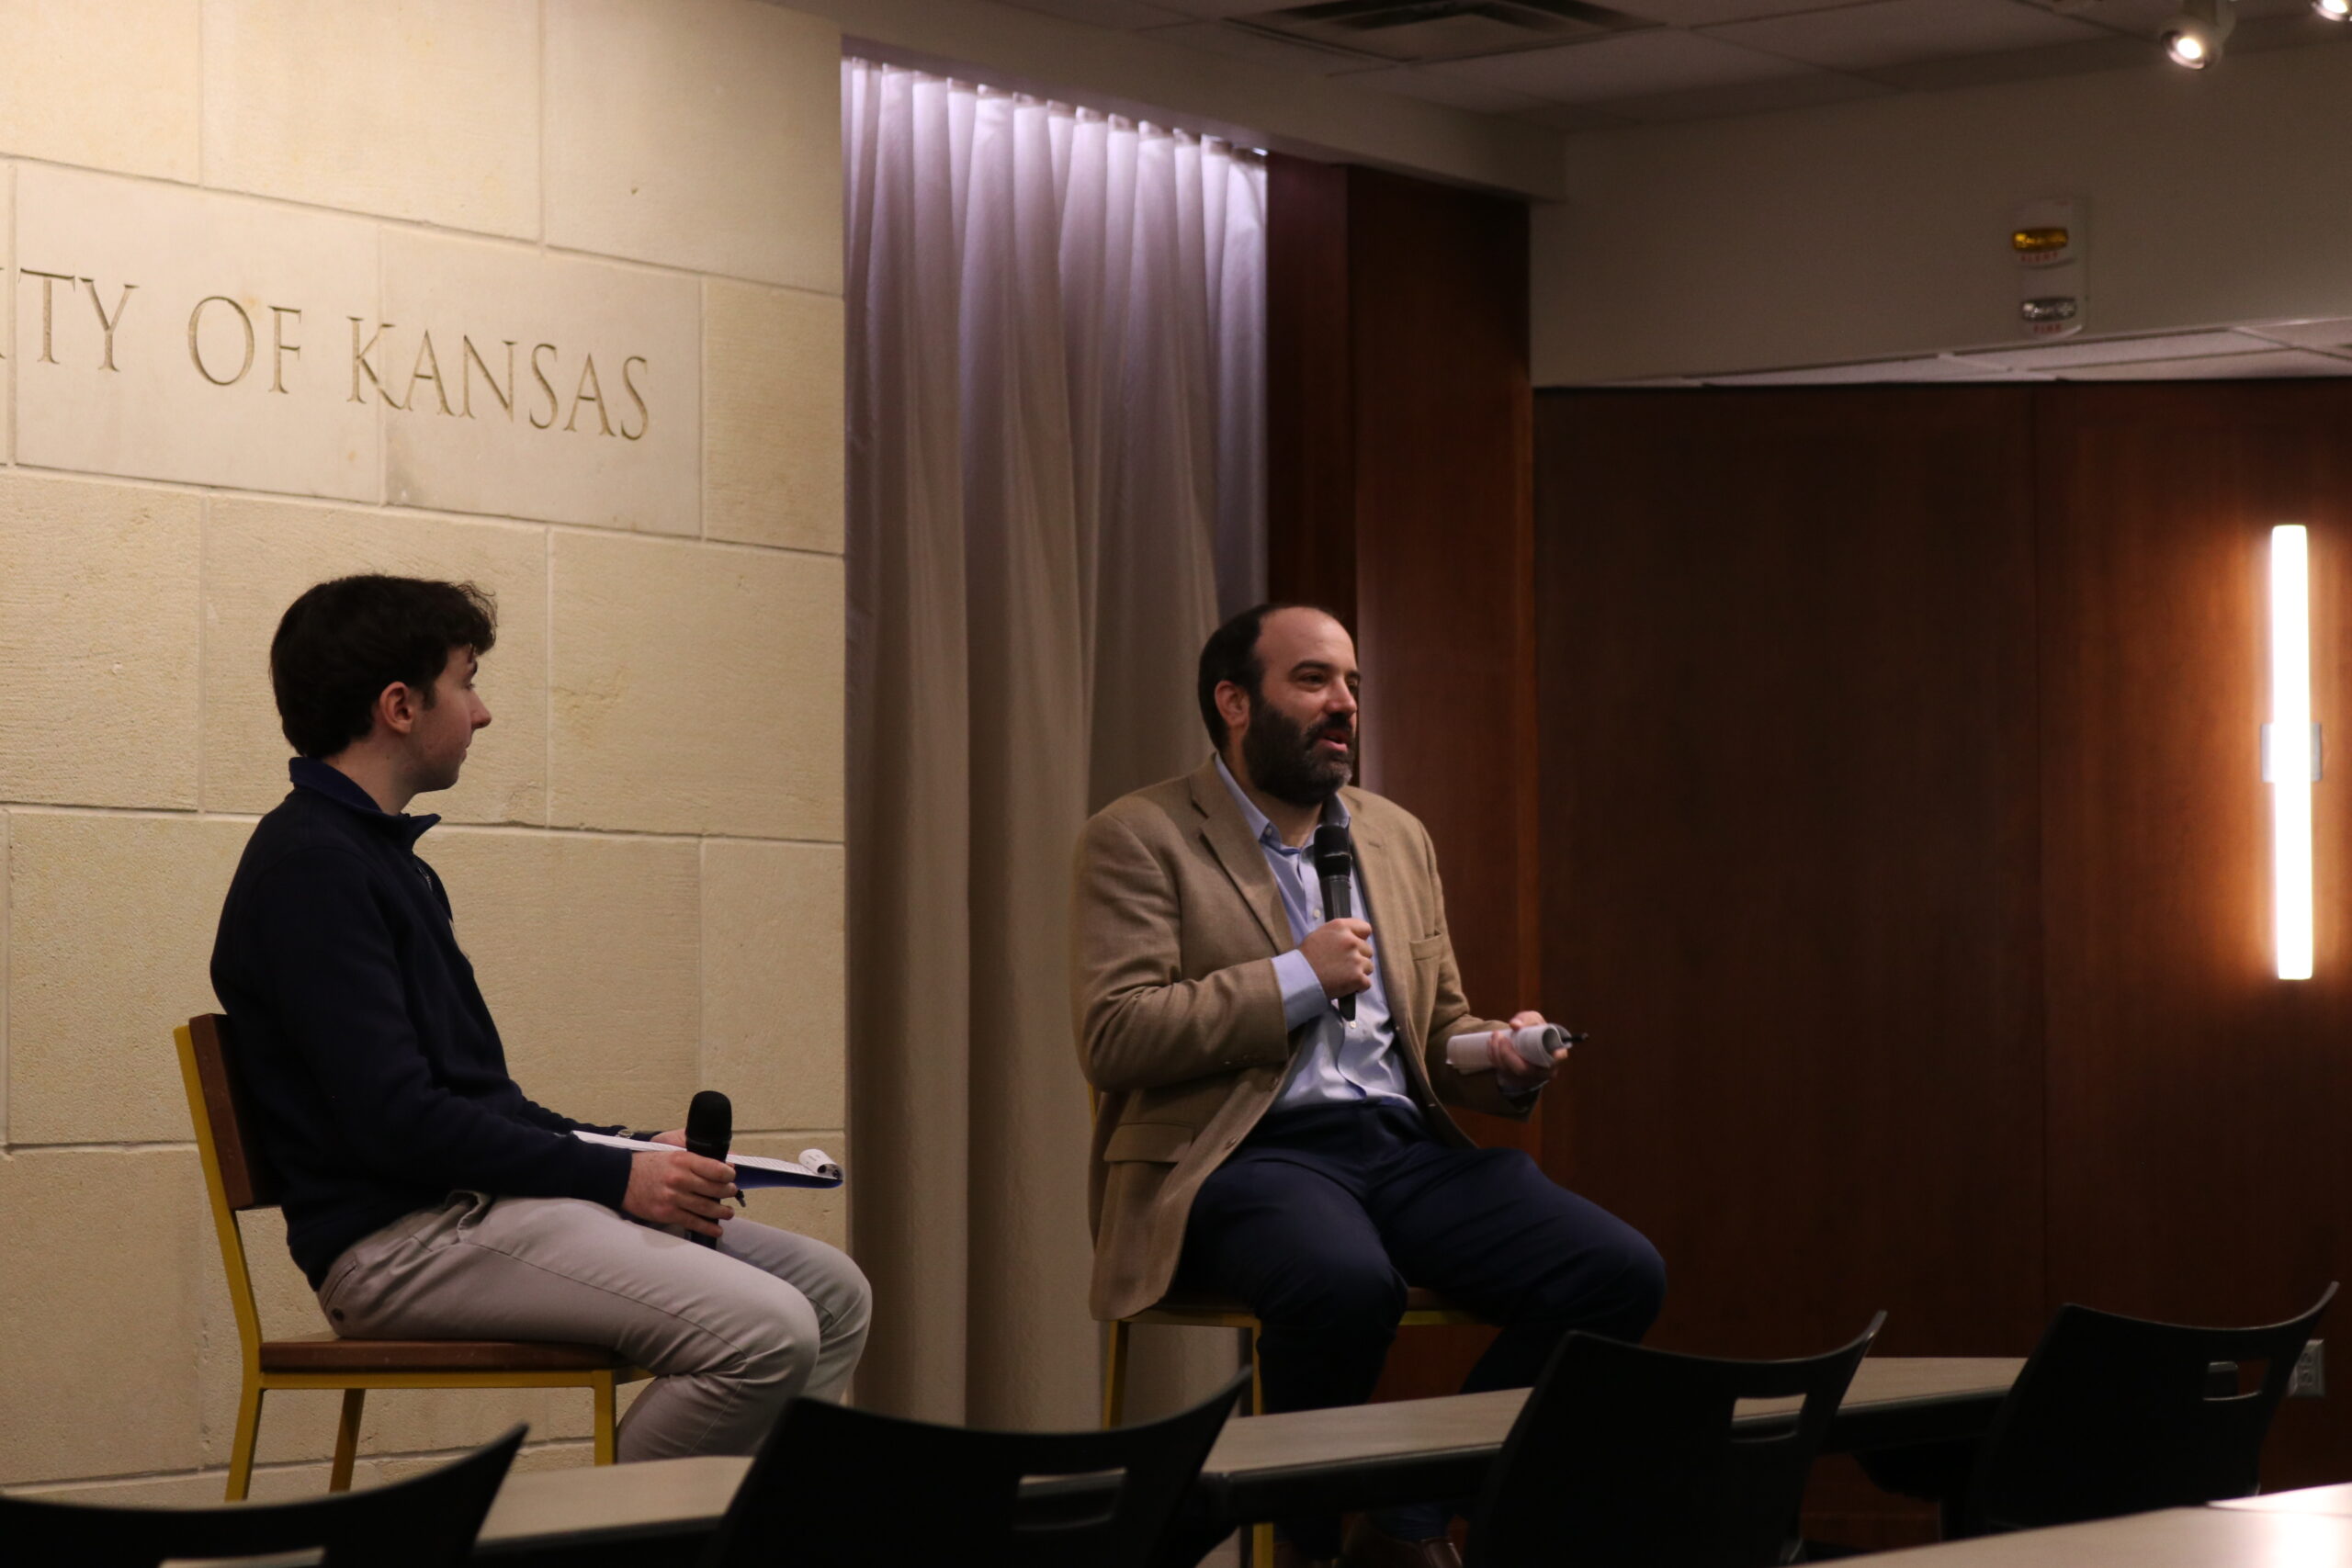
x=1678 y=59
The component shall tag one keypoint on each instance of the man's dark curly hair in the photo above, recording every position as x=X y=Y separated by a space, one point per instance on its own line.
x=343 y=642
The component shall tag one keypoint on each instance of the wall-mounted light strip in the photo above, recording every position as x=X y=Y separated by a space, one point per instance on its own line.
x=2294 y=749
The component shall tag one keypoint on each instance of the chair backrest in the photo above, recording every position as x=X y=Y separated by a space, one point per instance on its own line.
x=217 y=1097
x=1625 y=1455
x=848 y=1487
x=2118 y=1415
x=426 y=1521
x=235 y=1175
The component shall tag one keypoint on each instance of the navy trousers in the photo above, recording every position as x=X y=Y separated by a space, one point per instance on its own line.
x=1323 y=1214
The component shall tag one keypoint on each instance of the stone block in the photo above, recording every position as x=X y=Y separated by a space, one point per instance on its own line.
x=98 y=643
x=259 y=554
x=703 y=134
x=525 y=384
x=773 y=447
x=111 y=926
x=7 y=318
x=588 y=951
x=4 y=980
x=811 y=1212
x=104 y=84
x=695 y=689
x=170 y=334
x=773 y=958
x=97 y=1369
x=428 y=110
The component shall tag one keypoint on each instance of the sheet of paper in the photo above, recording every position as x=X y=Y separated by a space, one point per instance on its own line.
x=815 y=1168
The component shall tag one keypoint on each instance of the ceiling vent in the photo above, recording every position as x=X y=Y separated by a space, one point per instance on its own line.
x=1410 y=31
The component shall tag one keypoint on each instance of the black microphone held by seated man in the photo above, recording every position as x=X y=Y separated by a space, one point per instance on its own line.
x=1335 y=862
x=710 y=1129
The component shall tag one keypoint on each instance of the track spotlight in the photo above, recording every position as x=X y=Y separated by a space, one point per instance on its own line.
x=2334 y=10
x=2194 y=38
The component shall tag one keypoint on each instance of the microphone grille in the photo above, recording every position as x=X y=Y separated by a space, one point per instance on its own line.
x=710 y=1116
x=1331 y=843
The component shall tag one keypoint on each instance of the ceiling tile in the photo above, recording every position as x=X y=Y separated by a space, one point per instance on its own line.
x=1895 y=32
x=2145 y=18
x=1747 y=97
x=2216 y=367
x=2110 y=52
x=1628 y=65
x=1238 y=43
x=1574 y=118
x=1414 y=82
x=1214 y=8
x=2115 y=351
x=1706 y=13
x=1124 y=14
x=2333 y=333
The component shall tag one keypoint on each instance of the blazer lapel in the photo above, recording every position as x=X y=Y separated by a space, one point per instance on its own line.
x=1384 y=897
x=1228 y=832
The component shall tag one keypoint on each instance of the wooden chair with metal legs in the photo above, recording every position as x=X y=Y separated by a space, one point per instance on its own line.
x=1422 y=1309
x=237 y=1181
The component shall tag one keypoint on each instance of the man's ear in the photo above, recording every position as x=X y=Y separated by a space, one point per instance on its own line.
x=396 y=708
x=1232 y=706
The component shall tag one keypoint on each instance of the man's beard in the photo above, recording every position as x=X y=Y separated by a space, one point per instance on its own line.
x=1288 y=763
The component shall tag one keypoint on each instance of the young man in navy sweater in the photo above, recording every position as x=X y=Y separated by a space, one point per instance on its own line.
x=424 y=1196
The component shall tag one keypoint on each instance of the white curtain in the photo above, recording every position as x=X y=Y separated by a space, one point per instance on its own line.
x=1055 y=414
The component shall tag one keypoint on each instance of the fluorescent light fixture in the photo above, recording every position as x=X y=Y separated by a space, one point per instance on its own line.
x=2293 y=752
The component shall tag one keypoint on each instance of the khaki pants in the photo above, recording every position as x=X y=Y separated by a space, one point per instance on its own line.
x=731 y=1333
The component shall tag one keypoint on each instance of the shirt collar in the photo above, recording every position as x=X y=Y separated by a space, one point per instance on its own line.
x=1261 y=827
x=308 y=773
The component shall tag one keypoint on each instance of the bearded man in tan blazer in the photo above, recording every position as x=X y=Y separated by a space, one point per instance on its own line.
x=1273 y=1084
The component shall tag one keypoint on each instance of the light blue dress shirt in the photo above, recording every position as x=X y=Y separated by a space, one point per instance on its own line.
x=1342 y=1061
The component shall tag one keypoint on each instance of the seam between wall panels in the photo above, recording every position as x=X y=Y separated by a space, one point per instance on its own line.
x=203 y=633
x=547 y=739
x=7 y=869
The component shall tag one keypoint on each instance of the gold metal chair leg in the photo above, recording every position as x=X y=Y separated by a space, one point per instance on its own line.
x=1262 y=1534
x=247 y=1438
x=607 y=1393
x=347 y=1440
x=1114 y=1376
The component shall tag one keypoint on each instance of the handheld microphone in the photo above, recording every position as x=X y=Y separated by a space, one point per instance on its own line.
x=710 y=1129
x=1335 y=863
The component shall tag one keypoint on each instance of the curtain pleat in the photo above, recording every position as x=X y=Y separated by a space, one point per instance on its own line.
x=1055 y=366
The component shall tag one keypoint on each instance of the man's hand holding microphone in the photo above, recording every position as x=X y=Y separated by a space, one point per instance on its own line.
x=688 y=1188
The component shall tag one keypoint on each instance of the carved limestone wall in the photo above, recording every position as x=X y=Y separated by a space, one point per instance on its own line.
x=541 y=293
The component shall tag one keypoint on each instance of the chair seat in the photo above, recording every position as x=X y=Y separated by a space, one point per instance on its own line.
x=333 y=1353
x=1206 y=1304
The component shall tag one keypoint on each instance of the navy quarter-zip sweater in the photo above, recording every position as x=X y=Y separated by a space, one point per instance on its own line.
x=363 y=1044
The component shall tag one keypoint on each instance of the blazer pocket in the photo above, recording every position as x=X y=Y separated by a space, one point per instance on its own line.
x=1161 y=1143
x=1427 y=949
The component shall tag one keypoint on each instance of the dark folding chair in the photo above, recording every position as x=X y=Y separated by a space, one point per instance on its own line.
x=1623 y=1455
x=2119 y=1416
x=848 y=1488
x=426 y=1521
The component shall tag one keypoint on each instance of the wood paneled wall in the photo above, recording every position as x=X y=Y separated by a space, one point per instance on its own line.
x=1873 y=772
x=1906 y=848
x=1399 y=467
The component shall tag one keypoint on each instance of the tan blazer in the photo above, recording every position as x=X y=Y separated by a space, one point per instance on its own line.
x=1174 y=917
